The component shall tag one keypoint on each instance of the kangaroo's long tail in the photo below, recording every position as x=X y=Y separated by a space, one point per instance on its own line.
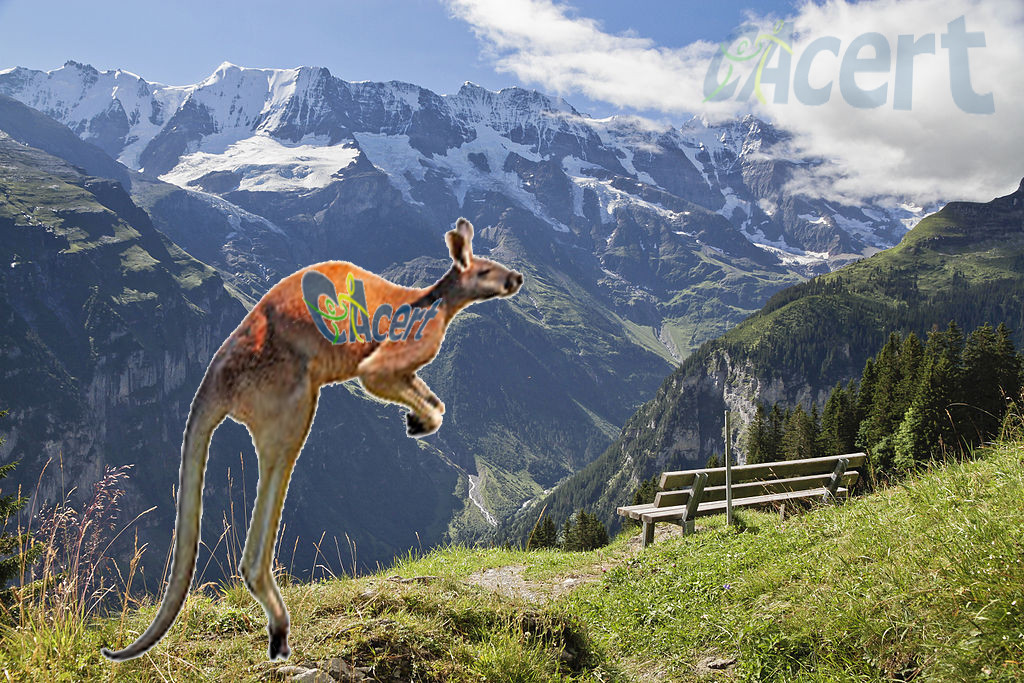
x=204 y=416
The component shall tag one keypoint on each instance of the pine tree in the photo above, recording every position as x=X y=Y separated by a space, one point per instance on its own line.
x=11 y=544
x=799 y=437
x=584 y=531
x=572 y=540
x=1010 y=375
x=983 y=393
x=757 y=439
x=865 y=394
x=815 y=424
x=911 y=355
x=838 y=433
x=929 y=422
x=776 y=430
x=545 y=535
x=596 y=535
x=646 y=492
x=883 y=414
x=851 y=420
x=952 y=348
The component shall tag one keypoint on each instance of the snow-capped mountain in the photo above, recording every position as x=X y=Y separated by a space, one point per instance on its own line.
x=299 y=130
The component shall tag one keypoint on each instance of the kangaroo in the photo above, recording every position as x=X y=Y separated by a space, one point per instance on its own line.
x=267 y=375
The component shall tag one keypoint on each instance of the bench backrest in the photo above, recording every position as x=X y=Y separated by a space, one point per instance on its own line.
x=759 y=479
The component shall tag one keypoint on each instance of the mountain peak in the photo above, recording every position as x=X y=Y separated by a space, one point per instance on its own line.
x=222 y=72
x=87 y=68
x=225 y=65
x=229 y=70
x=512 y=98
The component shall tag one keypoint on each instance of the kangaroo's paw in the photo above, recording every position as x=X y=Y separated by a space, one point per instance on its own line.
x=279 y=645
x=416 y=427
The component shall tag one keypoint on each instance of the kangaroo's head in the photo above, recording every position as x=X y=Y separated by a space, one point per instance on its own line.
x=472 y=278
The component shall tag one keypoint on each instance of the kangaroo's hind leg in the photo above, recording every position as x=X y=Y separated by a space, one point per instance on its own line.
x=278 y=439
x=425 y=417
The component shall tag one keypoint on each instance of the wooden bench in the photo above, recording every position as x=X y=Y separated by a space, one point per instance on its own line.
x=697 y=493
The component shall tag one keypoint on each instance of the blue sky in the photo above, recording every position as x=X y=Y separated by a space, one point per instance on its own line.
x=419 y=41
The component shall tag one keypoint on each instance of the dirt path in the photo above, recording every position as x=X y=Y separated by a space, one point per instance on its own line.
x=509 y=580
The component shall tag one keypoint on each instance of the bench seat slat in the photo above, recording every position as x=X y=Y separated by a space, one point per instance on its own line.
x=757 y=488
x=676 y=513
x=634 y=511
x=743 y=473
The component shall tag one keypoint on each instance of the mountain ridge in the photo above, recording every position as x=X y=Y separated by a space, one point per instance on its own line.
x=151 y=126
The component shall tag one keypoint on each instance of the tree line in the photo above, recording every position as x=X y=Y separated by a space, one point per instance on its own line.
x=913 y=401
x=852 y=309
x=582 y=531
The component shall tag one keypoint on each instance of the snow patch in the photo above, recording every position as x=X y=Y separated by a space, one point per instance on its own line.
x=732 y=202
x=464 y=175
x=393 y=155
x=797 y=257
x=266 y=164
x=611 y=198
x=812 y=219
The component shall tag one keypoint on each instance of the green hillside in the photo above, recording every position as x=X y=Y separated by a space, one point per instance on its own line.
x=963 y=263
x=89 y=292
x=922 y=581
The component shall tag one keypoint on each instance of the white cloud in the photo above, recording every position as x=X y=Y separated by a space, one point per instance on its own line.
x=934 y=151
x=539 y=42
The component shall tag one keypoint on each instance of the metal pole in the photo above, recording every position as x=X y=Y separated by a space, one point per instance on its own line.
x=728 y=474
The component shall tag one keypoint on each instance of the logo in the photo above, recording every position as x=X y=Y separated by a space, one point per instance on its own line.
x=343 y=316
x=755 y=52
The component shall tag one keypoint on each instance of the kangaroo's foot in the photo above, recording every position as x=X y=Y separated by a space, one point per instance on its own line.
x=279 y=644
x=418 y=426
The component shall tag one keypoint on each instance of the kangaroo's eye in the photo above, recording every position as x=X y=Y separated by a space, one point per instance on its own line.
x=483 y=273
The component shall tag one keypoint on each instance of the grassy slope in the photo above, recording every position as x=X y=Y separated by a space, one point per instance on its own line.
x=923 y=580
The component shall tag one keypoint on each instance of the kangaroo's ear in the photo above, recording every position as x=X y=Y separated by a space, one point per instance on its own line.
x=460 y=243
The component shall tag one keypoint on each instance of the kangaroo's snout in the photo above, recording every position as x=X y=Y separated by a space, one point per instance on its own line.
x=513 y=282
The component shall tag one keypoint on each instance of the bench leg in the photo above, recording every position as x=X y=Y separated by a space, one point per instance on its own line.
x=648 y=533
x=688 y=526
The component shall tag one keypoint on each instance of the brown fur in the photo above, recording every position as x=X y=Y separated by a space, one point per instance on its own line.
x=268 y=374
